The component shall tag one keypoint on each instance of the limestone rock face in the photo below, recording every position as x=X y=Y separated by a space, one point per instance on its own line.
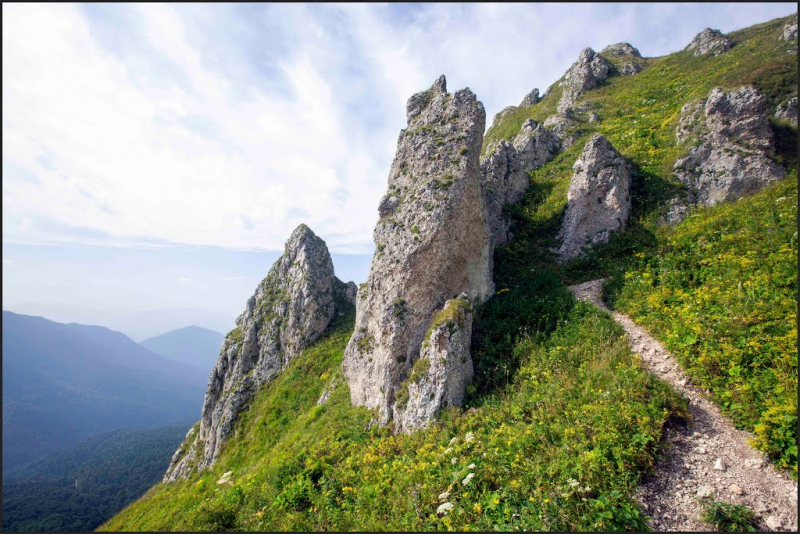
x=560 y=126
x=788 y=111
x=586 y=73
x=731 y=146
x=709 y=41
x=790 y=34
x=530 y=99
x=444 y=368
x=290 y=309
x=432 y=246
x=598 y=201
x=504 y=172
x=628 y=59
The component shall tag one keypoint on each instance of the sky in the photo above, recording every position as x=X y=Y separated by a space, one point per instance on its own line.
x=157 y=156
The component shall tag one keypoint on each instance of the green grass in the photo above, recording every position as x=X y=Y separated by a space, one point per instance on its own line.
x=743 y=345
x=720 y=290
x=562 y=448
x=561 y=421
x=729 y=517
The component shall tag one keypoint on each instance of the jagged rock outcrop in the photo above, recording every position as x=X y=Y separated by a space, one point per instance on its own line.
x=530 y=99
x=709 y=41
x=790 y=34
x=587 y=73
x=598 y=201
x=626 y=59
x=788 y=111
x=563 y=128
x=504 y=172
x=290 y=309
x=440 y=375
x=731 y=144
x=433 y=245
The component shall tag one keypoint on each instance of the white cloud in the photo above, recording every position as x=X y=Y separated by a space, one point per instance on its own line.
x=217 y=126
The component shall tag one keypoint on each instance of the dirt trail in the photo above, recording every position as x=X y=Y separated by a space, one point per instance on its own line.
x=708 y=457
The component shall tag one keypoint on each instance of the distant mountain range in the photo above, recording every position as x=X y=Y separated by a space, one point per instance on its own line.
x=65 y=382
x=191 y=346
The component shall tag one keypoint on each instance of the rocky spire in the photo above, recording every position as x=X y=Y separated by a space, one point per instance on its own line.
x=709 y=41
x=290 y=309
x=432 y=244
x=530 y=99
x=625 y=58
x=587 y=73
x=598 y=201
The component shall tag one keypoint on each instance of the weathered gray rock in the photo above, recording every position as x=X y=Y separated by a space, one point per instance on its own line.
x=709 y=41
x=626 y=59
x=563 y=128
x=676 y=211
x=500 y=115
x=434 y=245
x=598 y=201
x=504 y=172
x=790 y=34
x=731 y=144
x=788 y=111
x=530 y=99
x=290 y=309
x=587 y=73
x=444 y=368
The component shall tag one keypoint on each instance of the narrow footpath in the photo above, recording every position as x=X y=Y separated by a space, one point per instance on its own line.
x=709 y=457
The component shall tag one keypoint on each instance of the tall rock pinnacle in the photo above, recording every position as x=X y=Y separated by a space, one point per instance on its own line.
x=290 y=309
x=432 y=246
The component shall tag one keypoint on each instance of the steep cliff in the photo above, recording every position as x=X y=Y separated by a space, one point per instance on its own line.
x=290 y=309
x=432 y=244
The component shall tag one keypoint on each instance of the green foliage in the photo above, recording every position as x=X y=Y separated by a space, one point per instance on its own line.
x=399 y=309
x=419 y=369
x=78 y=488
x=720 y=290
x=365 y=344
x=729 y=517
x=454 y=313
x=561 y=449
x=464 y=151
x=236 y=334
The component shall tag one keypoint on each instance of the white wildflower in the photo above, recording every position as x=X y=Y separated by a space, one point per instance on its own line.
x=448 y=450
x=572 y=482
x=471 y=466
x=454 y=460
x=470 y=437
x=453 y=441
x=444 y=508
x=467 y=478
x=444 y=496
x=226 y=477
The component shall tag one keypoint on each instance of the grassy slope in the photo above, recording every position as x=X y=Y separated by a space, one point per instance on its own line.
x=742 y=349
x=565 y=421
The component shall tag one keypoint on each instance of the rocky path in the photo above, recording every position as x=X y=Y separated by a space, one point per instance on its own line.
x=707 y=457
